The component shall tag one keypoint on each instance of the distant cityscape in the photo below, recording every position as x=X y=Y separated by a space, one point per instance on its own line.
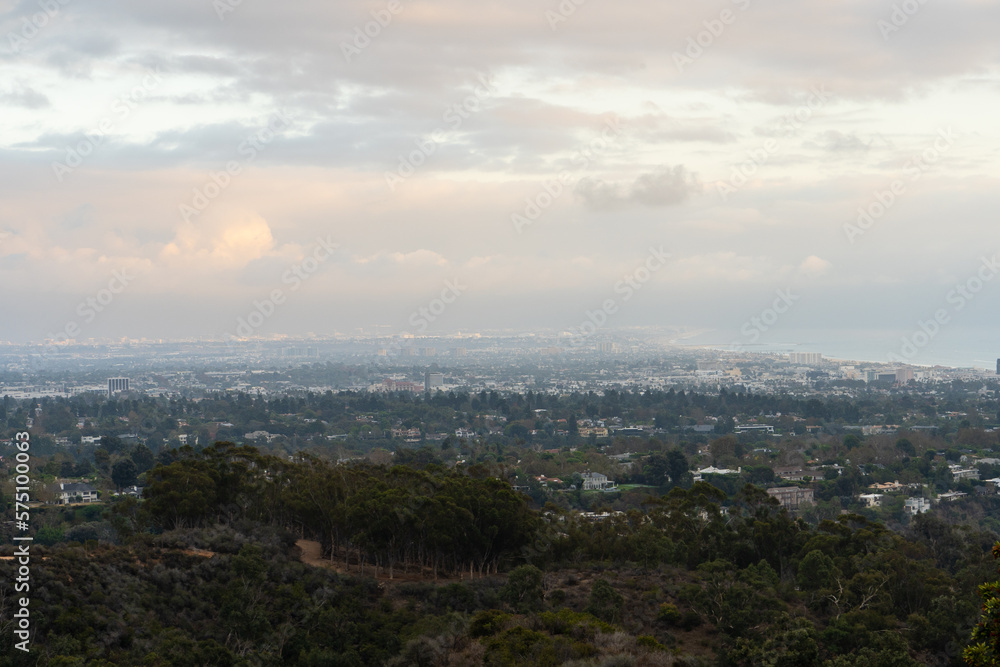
x=541 y=362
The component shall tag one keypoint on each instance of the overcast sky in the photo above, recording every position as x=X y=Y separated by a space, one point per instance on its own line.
x=564 y=148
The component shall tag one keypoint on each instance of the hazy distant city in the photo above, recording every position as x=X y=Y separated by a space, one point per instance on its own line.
x=471 y=362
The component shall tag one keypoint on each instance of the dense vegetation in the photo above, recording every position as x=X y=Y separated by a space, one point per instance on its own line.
x=695 y=576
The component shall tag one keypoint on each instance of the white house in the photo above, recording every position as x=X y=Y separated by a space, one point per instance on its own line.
x=871 y=499
x=712 y=470
x=917 y=505
x=82 y=492
x=595 y=481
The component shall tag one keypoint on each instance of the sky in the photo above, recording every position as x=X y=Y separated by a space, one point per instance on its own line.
x=757 y=172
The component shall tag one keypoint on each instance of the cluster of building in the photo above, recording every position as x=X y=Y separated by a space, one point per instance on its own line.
x=591 y=481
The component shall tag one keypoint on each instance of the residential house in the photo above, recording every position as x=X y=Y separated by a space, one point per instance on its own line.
x=792 y=473
x=871 y=499
x=754 y=428
x=917 y=506
x=888 y=487
x=791 y=497
x=75 y=492
x=595 y=481
x=958 y=472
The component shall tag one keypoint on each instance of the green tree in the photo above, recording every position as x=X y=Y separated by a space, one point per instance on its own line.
x=143 y=458
x=984 y=651
x=112 y=443
x=605 y=602
x=123 y=473
x=677 y=466
x=815 y=571
x=523 y=590
x=102 y=459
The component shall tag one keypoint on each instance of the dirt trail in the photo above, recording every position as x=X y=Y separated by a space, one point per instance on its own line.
x=312 y=554
x=199 y=552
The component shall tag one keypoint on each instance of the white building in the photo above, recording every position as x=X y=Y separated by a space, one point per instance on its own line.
x=750 y=428
x=805 y=357
x=871 y=499
x=595 y=481
x=958 y=472
x=67 y=493
x=917 y=505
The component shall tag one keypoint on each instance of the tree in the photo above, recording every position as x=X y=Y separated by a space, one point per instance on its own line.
x=906 y=447
x=677 y=466
x=143 y=458
x=523 y=590
x=605 y=602
x=656 y=469
x=815 y=570
x=112 y=443
x=102 y=459
x=984 y=651
x=123 y=473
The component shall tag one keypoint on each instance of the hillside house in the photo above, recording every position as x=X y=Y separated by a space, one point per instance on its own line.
x=791 y=497
x=595 y=481
x=74 y=492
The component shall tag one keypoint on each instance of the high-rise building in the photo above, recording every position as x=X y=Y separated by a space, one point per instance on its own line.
x=805 y=357
x=116 y=385
x=998 y=366
x=433 y=380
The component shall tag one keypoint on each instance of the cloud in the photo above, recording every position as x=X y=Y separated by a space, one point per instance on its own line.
x=667 y=186
x=814 y=266
x=835 y=141
x=222 y=237
x=24 y=96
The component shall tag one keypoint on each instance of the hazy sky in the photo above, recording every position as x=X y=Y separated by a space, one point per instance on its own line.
x=566 y=148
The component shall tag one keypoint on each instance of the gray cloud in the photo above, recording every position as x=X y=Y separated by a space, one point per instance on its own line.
x=666 y=186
